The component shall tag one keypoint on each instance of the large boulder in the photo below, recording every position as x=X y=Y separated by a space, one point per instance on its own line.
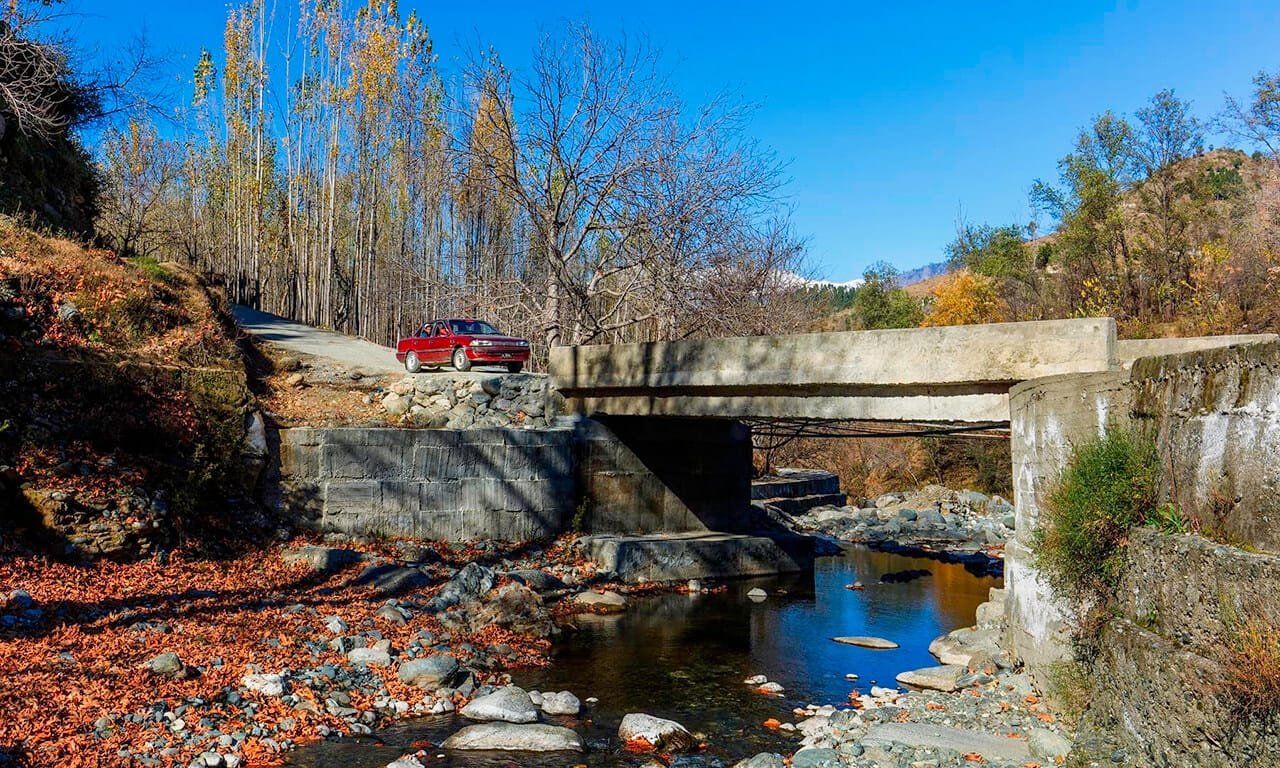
x=517 y=608
x=431 y=672
x=470 y=583
x=942 y=678
x=393 y=579
x=762 y=760
x=510 y=705
x=322 y=559
x=515 y=738
x=604 y=602
x=663 y=735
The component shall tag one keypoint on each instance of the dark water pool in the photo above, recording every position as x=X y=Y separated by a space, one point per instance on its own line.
x=684 y=657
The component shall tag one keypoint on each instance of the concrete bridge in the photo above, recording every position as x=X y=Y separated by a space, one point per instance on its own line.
x=949 y=375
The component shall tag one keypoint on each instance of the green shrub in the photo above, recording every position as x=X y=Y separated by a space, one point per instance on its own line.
x=1168 y=518
x=1107 y=488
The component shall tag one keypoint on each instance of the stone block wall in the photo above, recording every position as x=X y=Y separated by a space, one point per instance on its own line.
x=501 y=484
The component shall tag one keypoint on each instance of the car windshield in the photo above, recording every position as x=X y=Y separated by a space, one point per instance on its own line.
x=473 y=328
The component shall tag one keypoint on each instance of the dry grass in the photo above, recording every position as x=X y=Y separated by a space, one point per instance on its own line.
x=1252 y=661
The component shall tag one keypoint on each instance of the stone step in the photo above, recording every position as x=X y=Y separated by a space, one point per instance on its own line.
x=795 y=482
x=988 y=745
x=798 y=505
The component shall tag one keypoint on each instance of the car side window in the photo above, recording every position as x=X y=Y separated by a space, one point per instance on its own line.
x=440 y=330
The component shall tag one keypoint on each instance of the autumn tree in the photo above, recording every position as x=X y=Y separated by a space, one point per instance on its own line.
x=966 y=298
x=141 y=175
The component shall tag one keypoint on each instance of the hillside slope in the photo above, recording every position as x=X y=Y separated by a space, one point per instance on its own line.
x=123 y=401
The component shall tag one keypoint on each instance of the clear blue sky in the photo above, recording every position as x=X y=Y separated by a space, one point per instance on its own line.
x=895 y=118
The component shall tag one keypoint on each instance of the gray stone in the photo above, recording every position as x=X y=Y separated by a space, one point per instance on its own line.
x=512 y=737
x=167 y=664
x=467 y=584
x=562 y=703
x=988 y=745
x=814 y=757
x=604 y=601
x=1047 y=745
x=392 y=579
x=538 y=581
x=941 y=678
x=878 y=643
x=663 y=735
x=265 y=684
x=511 y=704
x=369 y=657
x=762 y=760
x=395 y=404
x=322 y=558
x=431 y=672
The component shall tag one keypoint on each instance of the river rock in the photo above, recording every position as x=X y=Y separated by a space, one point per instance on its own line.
x=470 y=583
x=816 y=758
x=167 y=665
x=511 y=705
x=431 y=672
x=878 y=643
x=408 y=761
x=607 y=601
x=517 y=608
x=762 y=760
x=663 y=735
x=373 y=657
x=515 y=738
x=1047 y=745
x=395 y=404
x=562 y=703
x=757 y=595
x=538 y=581
x=322 y=558
x=941 y=678
x=267 y=685
x=392 y=579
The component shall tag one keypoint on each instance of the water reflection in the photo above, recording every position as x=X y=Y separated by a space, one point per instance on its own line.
x=685 y=656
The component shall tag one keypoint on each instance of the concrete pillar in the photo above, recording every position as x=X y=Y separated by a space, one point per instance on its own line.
x=653 y=474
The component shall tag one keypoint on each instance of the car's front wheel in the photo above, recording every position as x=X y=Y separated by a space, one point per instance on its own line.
x=460 y=360
x=411 y=362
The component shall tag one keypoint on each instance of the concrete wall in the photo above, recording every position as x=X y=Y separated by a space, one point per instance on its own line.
x=646 y=475
x=509 y=485
x=1215 y=415
x=619 y=476
x=1159 y=678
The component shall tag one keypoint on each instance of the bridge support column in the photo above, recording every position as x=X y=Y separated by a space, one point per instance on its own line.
x=663 y=475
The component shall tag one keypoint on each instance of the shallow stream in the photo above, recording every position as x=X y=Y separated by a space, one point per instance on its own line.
x=684 y=657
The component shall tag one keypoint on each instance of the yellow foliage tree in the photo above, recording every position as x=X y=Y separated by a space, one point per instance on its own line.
x=964 y=298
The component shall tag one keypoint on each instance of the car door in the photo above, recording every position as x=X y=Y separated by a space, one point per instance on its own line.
x=438 y=344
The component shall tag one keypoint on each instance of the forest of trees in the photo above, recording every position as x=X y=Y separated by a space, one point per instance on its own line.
x=330 y=171
x=1145 y=226
x=325 y=166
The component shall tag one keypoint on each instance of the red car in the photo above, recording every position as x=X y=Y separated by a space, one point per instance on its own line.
x=462 y=344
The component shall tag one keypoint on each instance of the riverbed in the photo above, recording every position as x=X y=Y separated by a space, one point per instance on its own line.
x=685 y=657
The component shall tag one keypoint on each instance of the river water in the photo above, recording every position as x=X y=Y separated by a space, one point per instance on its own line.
x=684 y=657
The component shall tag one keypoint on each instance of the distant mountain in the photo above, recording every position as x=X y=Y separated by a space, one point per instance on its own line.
x=921 y=274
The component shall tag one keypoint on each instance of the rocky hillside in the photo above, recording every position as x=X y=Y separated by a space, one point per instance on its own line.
x=123 y=404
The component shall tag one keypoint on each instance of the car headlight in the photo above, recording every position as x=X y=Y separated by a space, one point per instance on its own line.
x=482 y=343
x=523 y=343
